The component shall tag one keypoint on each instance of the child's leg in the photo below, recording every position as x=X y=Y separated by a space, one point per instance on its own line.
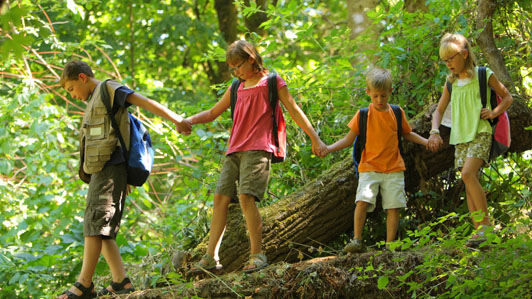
x=105 y=203
x=476 y=198
x=360 y=218
x=393 y=199
x=392 y=223
x=218 y=221
x=253 y=181
x=366 y=199
x=253 y=222
x=91 y=254
x=111 y=253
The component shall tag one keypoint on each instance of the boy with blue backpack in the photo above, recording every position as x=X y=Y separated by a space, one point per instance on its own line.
x=105 y=152
x=378 y=130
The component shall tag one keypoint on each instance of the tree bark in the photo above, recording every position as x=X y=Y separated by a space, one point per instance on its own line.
x=357 y=19
x=485 y=11
x=363 y=32
x=324 y=277
x=323 y=209
x=254 y=21
x=227 y=12
x=415 y=5
x=132 y=45
x=227 y=19
x=218 y=72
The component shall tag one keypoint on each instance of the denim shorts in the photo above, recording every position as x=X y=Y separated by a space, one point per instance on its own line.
x=247 y=171
x=391 y=185
x=105 y=202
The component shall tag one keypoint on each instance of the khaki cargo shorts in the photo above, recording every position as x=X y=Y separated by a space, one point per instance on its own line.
x=391 y=185
x=478 y=148
x=105 y=202
x=248 y=172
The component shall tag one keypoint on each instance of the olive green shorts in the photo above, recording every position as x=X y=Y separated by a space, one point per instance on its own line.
x=477 y=148
x=105 y=202
x=250 y=170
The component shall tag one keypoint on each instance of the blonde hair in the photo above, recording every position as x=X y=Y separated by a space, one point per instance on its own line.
x=452 y=43
x=379 y=78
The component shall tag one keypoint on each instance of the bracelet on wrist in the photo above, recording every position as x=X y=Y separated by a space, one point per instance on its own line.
x=434 y=131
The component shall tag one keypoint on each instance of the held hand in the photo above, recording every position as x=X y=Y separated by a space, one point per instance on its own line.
x=319 y=148
x=435 y=142
x=325 y=152
x=184 y=127
x=486 y=114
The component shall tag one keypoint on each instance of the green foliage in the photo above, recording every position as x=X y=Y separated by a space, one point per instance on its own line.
x=499 y=267
x=171 y=51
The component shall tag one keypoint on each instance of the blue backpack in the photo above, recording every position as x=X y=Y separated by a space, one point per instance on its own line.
x=360 y=140
x=140 y=155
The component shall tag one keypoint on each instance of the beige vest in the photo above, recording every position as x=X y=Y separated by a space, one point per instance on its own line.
x=98 y=139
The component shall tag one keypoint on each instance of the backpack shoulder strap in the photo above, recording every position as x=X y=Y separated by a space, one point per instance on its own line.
x=449 y=86
x=234 y=89
x=274 y=98
x=104 y=94
x=399 y=118
x=482 y=85
x=272 y=90
x=363 y=126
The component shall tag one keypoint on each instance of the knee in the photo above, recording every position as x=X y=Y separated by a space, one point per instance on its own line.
x=221 y=201
x=246 y=200
x=362 y=205
x=468 y=176
x=392 y=212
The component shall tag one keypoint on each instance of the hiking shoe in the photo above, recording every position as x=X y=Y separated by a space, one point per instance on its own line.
x=355 y=246
x=476 y=240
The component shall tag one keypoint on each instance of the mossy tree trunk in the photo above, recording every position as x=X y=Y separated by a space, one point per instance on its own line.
x=323 y=209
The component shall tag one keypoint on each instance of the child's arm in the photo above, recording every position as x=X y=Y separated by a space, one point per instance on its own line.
x=435 y=141
x=318 y=147
x=414 y=137
x=342 y=143
x=211 y=114
x=183 y=126
x=506 y=99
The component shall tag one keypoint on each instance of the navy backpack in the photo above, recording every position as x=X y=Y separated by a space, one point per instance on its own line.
x=360 y=140
x=140 y=155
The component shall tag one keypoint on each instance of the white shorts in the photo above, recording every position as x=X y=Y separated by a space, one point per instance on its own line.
x=392 y=186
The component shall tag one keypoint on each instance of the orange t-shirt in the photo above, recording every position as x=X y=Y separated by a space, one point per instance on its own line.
x=381 y=153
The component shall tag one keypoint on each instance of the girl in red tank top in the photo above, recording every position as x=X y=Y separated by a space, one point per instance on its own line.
x=250 y=146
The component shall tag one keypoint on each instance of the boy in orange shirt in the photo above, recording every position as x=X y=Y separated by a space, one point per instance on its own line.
x=381 y=165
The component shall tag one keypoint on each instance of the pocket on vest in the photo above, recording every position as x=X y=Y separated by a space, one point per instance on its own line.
x=99 y=154
x=96 y=129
